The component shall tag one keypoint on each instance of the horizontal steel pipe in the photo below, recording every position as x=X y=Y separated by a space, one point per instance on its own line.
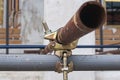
x=48 y=62
x=90 y=15
x=28 y=62
x=96 y=62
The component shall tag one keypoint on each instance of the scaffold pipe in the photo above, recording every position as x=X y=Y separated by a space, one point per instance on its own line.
x=48 y=62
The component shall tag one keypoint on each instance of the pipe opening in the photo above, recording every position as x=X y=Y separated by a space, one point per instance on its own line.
x=92 y=15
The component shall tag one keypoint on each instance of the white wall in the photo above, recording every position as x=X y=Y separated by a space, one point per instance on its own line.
x=32 y=15
x=107 y=75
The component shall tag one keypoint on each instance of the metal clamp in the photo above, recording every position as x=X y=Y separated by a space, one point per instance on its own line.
x=64 y=66
x=62 y=51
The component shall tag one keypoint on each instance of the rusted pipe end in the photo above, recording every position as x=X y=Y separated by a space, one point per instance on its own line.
x=89 y=16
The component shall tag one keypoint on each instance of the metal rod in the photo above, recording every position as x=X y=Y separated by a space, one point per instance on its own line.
x=7 y=25
x=14 y=1
x=46 y=28
x=101 y=37
x=16 y=5
x=16 y=14
x=10 y=6
x=14 y=11
x=43 y=46
x=101 y=28
x=27 y=62
x=65 y=72
x=98 y=46
x=48 y=62
x=21 y=46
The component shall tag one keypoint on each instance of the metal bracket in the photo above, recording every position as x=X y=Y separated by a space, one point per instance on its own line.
x=59 y=67
x=62 y=51
x=64 y=66
x=58 y=46
x=55 y=46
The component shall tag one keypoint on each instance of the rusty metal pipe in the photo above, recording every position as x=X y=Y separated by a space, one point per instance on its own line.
x=16 y=5
x=10 y=6
x=90 y=15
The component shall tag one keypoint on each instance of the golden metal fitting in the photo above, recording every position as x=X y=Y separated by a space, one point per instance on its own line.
x=64 y=66
x=52 y=37
x=66 y=47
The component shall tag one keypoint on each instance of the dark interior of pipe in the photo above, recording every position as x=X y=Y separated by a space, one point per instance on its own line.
x=92 y=15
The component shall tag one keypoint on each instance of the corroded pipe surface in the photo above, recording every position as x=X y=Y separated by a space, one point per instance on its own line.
x=90 y=15
x=16 y=5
